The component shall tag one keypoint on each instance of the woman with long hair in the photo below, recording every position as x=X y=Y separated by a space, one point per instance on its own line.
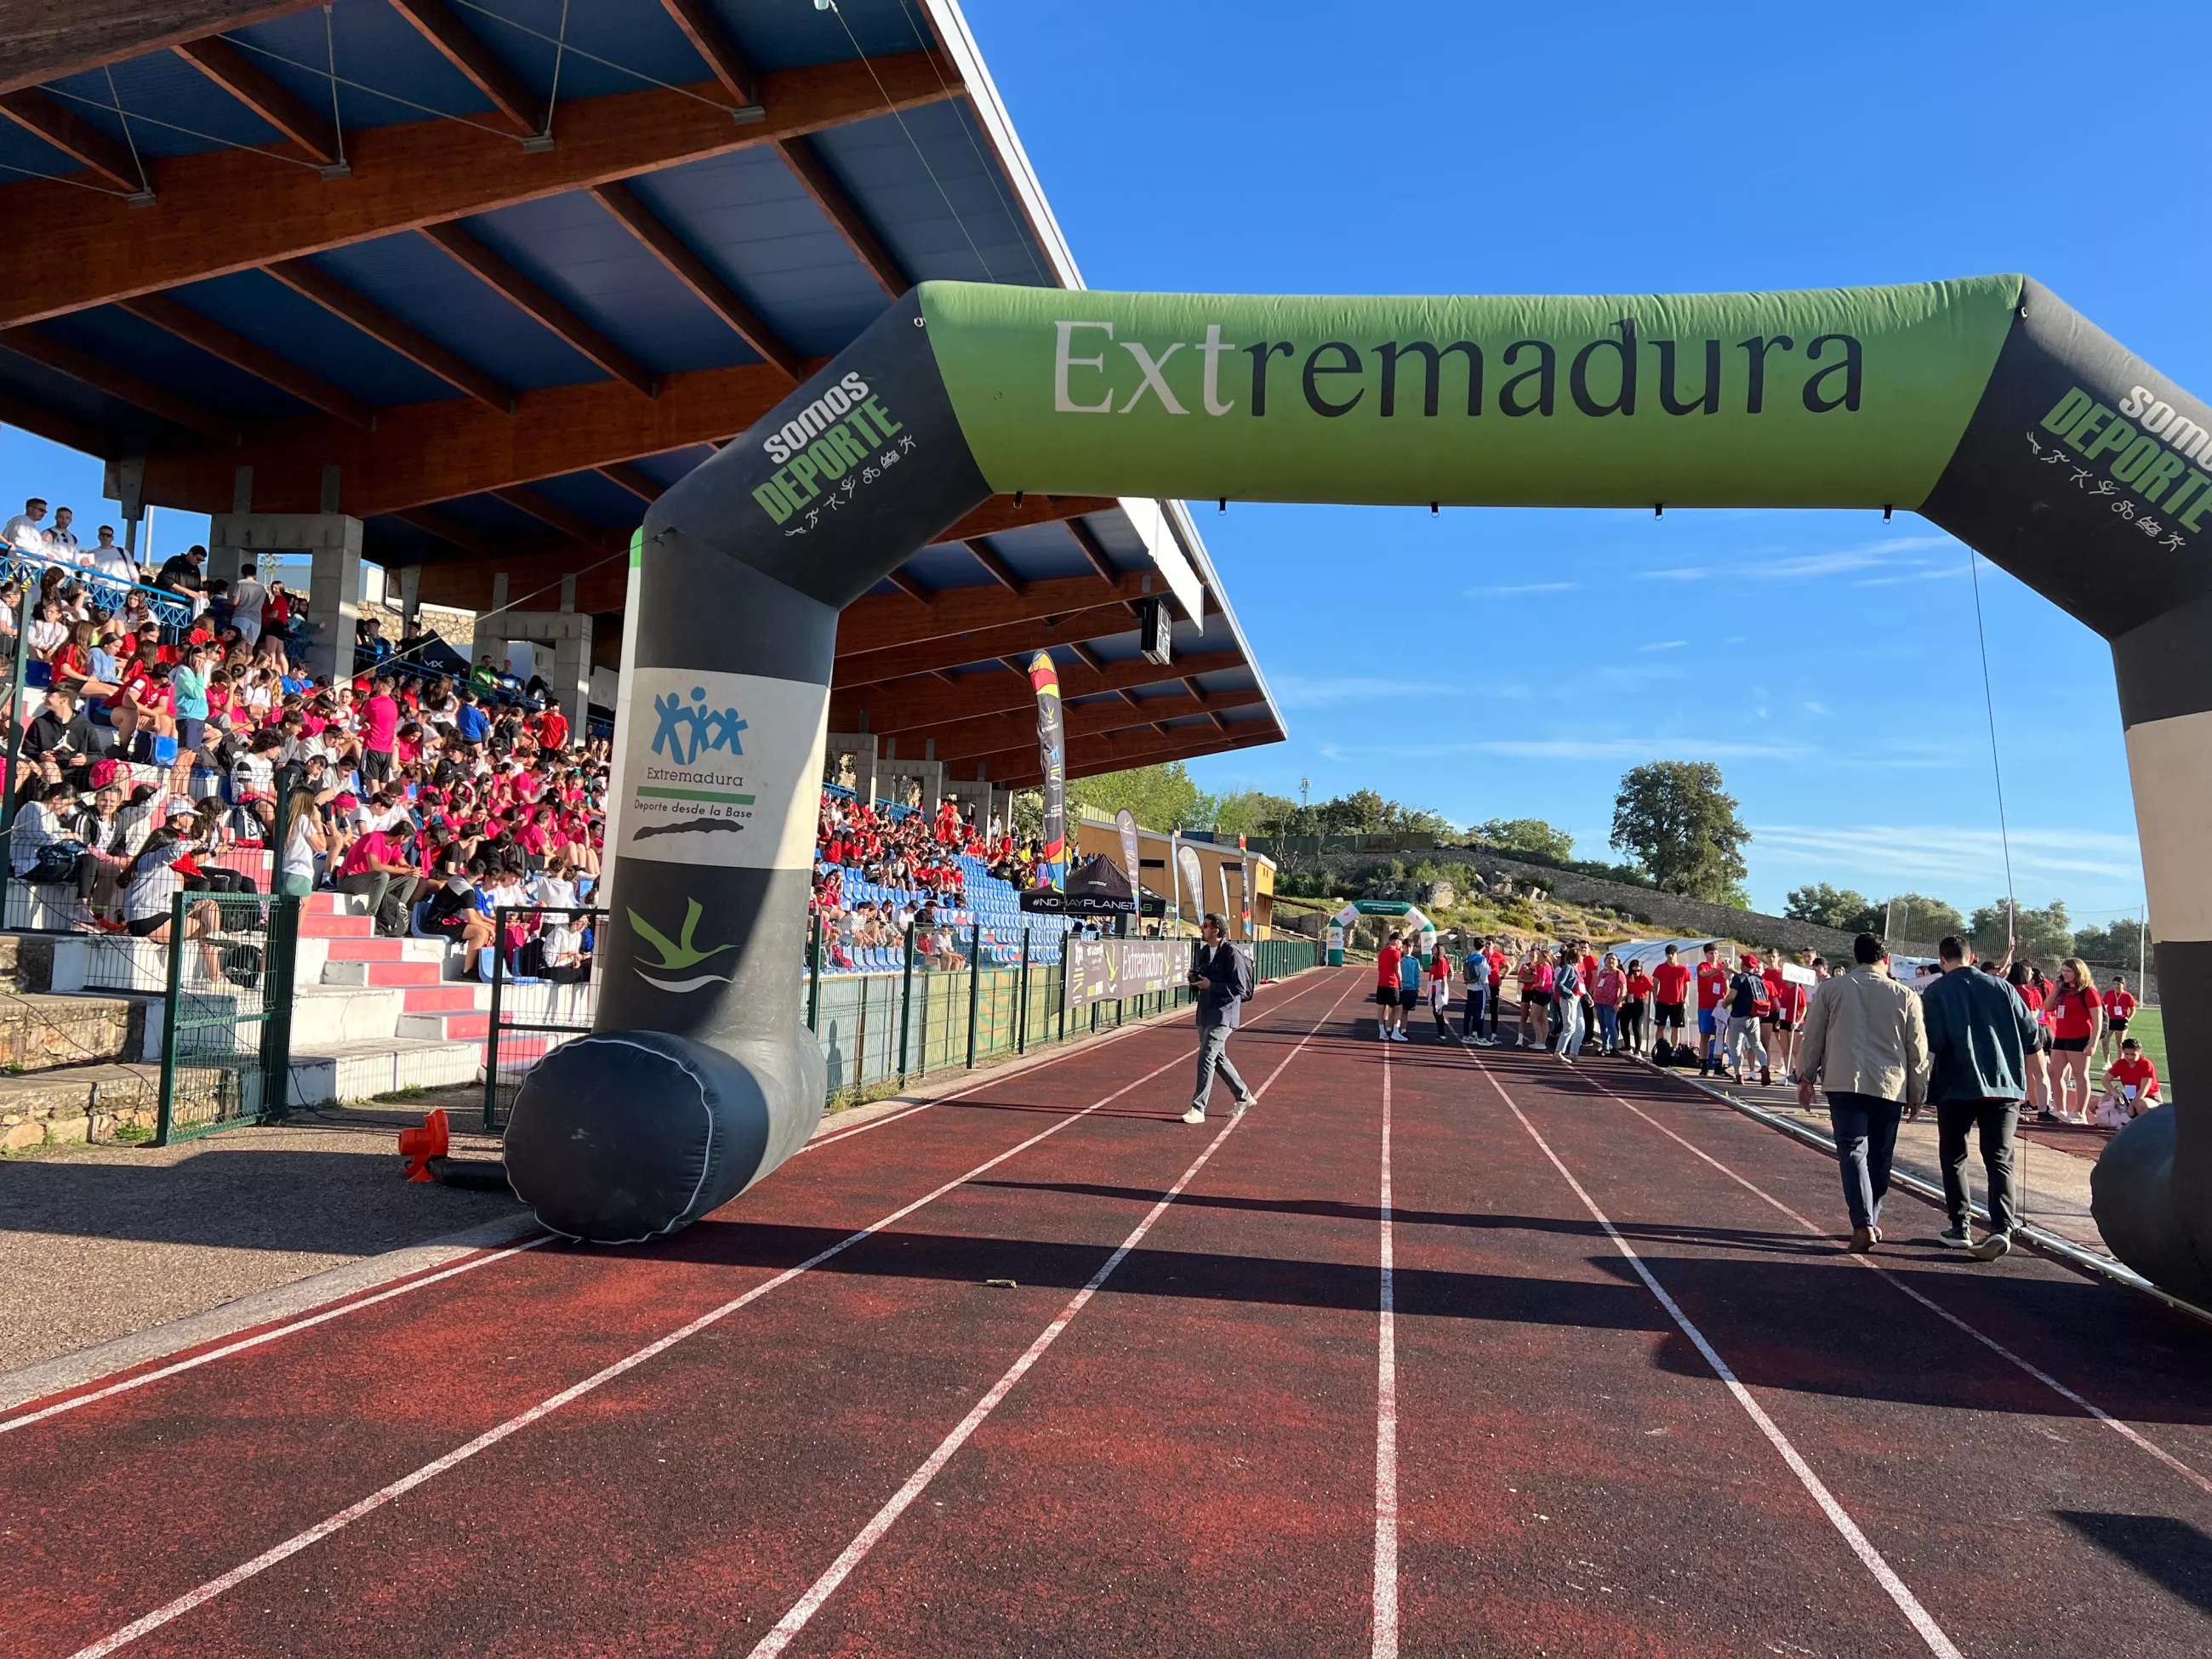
x=149 y=884
x=2038 y=1057
x=304 y=841
x=1535 y=977
x=2077 y=1017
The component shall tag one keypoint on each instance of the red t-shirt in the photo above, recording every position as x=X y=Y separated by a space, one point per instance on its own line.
x=1672 y=982
x=2072 y=1013
x=1386 y=966
x=1713 y=984
x=2139 y=1072
x=1498 y=966
x=1787 y=996
x=2120 y=1005
x=380 y=723
x=1639 y=982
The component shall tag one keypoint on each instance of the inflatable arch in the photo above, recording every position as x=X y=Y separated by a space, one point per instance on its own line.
x=1339 y=924
x=1987 y=405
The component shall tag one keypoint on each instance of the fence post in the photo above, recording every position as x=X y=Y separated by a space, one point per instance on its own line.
x=491 y=1037
x=975 y=987
x=1063 y=989
x=1022 y=999
x=814 y=977
x=172 y=1006
x=906 y=1004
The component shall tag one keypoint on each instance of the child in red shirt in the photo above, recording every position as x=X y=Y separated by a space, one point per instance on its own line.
x=2130 y=1086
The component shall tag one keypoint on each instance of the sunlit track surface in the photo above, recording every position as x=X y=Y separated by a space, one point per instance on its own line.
x=1192 y=1422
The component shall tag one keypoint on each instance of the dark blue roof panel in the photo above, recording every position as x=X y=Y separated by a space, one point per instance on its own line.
x=413 y=278
x=574 y=249
x=152 y=354
x=593 y=496
x=270 y=314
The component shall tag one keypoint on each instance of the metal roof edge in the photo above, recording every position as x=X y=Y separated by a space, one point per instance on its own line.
x=952 y=25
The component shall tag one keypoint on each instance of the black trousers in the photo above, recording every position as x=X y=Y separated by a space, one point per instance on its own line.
x=1996 y=1122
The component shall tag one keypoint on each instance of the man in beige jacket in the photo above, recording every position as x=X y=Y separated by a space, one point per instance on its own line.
x=1865 y=1044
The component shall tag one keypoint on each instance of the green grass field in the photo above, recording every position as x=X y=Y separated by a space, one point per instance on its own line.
x=2147 y=1027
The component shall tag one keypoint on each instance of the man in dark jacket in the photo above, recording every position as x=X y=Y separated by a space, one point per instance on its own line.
x=62 y=729
x=1979 y=1033
x=1218 y=975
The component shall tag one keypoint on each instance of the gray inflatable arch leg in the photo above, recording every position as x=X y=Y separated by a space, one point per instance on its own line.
x=701 y=1076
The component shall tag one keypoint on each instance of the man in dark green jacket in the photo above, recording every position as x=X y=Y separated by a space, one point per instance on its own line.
x=1979 y=1033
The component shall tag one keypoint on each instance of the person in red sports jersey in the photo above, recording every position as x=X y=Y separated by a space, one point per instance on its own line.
x=1387 y=1014
x=2119 y=1009
x=1635 y=1006
x=2130 y=1085
x=1712 y=990
x=2077 y=1013
x=1670 y=994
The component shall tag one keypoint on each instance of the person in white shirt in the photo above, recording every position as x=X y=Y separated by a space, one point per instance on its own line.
x=23 y=532
x=248 y=598
x=61 y=541
x=106 y=559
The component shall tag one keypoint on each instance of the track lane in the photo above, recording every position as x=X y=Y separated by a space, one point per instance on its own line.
x=2012 y=1516
x=899 y=1310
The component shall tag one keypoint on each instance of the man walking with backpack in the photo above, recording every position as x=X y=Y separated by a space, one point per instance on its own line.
x=1747 y=1004
x=1221 y=980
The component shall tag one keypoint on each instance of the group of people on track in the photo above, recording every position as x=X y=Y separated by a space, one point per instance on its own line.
x=1982 y=1043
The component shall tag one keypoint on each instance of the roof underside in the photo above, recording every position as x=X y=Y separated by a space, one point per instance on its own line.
x=491 y=281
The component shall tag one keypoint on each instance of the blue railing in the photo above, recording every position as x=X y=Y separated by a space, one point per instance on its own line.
x=172 y=610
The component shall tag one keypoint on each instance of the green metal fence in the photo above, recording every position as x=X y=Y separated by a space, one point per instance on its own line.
x=225 y=1011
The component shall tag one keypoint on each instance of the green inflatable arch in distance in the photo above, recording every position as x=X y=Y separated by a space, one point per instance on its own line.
x=1987 y=405
x=1339 y=924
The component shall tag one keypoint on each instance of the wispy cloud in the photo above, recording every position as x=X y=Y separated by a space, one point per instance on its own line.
x=1802 y=567
x=1521 y=587
x=1814 y=707
x=1302 y=691
x=1664 y=644
x=1950 y=855
x=1587 y=748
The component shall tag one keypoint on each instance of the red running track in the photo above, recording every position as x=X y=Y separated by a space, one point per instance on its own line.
x=1616 y=1390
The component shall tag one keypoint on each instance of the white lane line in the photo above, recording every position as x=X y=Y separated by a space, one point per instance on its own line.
x=9 y=1424
x=340 y=1310
x=1869 y=1557
x=1386 y=1415
x=2087 y=1407
x=804 y=1609
x=376 y=1499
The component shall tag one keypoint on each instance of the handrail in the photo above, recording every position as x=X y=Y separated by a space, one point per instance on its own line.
x=169 y=607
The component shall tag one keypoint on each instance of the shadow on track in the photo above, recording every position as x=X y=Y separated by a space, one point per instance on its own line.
x=2170 y=1553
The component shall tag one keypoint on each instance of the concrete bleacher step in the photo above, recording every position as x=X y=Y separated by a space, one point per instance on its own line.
x=378 y=1066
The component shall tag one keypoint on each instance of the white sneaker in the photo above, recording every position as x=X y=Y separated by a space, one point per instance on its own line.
x=1242 y=1106
x=1397 y=1036
x=1195 y=1115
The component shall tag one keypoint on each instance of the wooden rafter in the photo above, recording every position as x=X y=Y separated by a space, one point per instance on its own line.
x=49 y=118
x=573 y=525
x=246 y=81
x=912 y=589
x=900 y=705
x=1001 y=572
x=313 y=283
x=951 y=651
x=504 y=279
x=712 y=43
x=1093 y=549
x=34 y=416
x=93 y=249
x=227 y=345
x=1115 y=752
x=696 y=275
x=843 y=215
x=639 y=483
x=52 y=42
x=434 y=20
x=995 y=733
x=104 y=376
x=880 y=622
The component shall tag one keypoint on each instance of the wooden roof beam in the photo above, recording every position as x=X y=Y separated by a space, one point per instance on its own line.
x=843 y=216
x=503 y=278
x=695 y=274
x=172 y=317
x=93 y=249
x=639 y=483
x=246 y=81
x=897 y=707
x=573 y=525
x=1093 y=549
x=715 y=49
x=435 y=23
x=52 y=42
x=994 y=733
x=313 y=283
x=120 y=383
x=879 y=622
x=1118 y=752
x=912 y=589
x=998 y=570
x=46 y=117
x=951 y=651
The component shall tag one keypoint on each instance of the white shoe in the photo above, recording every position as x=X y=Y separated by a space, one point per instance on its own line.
x=1242 y=1106
x=1398 y=1036
x=1195 y=1115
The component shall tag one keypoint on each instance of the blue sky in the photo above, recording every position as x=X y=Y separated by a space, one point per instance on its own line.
x=1511 y=663
x=1515 y=663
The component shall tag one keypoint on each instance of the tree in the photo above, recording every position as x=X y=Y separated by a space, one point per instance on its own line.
x=1161 y=796
x=2121 y=943
x=2043 y=936
x=1833 y=907
x=1682 y=827
x=1362 y=812
x=1252 y=812
x=1918 y=917
x=1527 y=836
